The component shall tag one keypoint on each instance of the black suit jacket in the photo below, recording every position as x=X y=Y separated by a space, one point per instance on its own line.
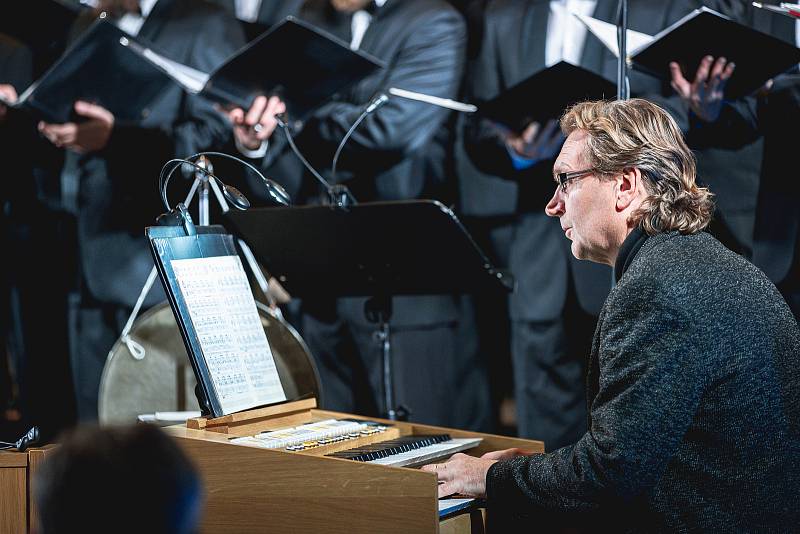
x=16 y=63
x=16 y=69
x=694 y=405
x=118 y=193
x=273 y=11
x=423 y=44
x=269 y=11
x=513 y=48
x=768 y=117
x=732 y=173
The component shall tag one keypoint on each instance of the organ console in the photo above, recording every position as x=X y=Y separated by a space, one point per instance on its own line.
x=290 y=467
x=295 y=468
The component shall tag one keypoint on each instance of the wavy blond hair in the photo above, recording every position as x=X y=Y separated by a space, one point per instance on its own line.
x=637 y=133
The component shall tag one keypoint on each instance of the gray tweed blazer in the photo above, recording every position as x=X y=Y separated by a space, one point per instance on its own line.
x=694 y=403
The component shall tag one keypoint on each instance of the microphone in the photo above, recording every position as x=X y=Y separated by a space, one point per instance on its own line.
x=275 y=191
x=338 y=195
x=30 y=438
x=232 y=195
x=376 y=102
x=381 y=98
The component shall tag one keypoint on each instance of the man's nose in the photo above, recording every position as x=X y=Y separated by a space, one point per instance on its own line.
x=555 y=208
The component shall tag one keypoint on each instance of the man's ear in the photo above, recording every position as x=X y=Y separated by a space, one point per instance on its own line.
x=628 y=187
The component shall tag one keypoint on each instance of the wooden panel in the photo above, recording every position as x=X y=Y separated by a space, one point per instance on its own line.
x=13 y=499
x=460 y=524
x=13 y=459
x=250 y=417
x=249 y=488
x=253 y=489
x=35 y=457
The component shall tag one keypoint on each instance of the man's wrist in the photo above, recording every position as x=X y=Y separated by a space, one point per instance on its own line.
x=257 y=153
x=518 y=161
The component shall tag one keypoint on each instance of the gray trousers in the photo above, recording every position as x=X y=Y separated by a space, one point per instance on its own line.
x=438 y=374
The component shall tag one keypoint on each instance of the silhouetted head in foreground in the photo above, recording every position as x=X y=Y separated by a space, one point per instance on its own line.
x=125 y=479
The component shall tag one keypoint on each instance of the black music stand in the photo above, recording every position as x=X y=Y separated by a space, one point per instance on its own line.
x=377 y=250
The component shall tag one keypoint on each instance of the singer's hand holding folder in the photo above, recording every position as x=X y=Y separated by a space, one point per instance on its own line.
x=758 y=56
x=302 y=64
x=99 y=67
x=545 y=95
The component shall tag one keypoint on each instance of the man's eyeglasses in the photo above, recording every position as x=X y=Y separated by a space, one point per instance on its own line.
x=564 y=177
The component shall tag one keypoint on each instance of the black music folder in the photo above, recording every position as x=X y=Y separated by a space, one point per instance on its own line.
x=211 y=299
x=415 y=247
x=758 y=56
x=99 y=67
x=295 y=60
x=545 y=95
x=41 y=25
x=252 y=30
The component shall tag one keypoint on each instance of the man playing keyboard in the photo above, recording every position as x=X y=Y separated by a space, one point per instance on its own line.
x=693 y=382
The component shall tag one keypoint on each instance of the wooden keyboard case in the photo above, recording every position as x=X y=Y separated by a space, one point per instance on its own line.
x=252 y=489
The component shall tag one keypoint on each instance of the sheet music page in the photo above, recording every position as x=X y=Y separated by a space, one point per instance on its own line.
x=190 y=79
x=232 y=340
x=607 y=33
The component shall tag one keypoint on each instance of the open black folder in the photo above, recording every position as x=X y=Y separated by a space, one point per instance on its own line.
x=106 y=66
x=99 y=67
x=545 y=95
x=295 y=60
x=41 y=25
x=415 y=247
x=758 y=56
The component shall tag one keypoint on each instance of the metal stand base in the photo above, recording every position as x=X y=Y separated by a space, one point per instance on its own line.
x=379 y=310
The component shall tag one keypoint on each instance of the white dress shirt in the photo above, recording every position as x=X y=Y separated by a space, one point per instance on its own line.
x=359 y=25
x=566 y=34
x=132 y=23
x=247 y=10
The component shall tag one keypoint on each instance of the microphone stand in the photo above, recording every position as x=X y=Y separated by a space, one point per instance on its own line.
x=339 y=196
x=201 y=187
x=623 y=86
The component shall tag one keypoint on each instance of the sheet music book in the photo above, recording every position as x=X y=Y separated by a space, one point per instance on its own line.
x=758 y=56
x=99 y=67
x=295 y=60
x=210 y=295
x=545 y=95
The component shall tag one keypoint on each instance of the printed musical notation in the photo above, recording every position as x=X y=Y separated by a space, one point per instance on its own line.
x=233 y=342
